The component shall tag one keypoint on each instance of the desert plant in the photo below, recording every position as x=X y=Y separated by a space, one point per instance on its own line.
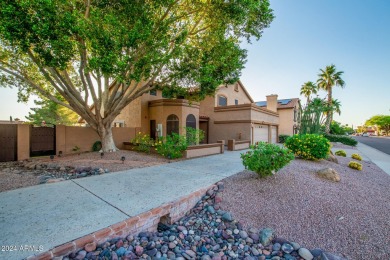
x=172 y=146
x=76 y=148
x=142 y=142
x=264 y=158
x=356 y=156
x=194 y=136
x=309 y=146
x=341 y=153
x=355 y=165
x=97 y=146
x=341 y=138
x=283 y=138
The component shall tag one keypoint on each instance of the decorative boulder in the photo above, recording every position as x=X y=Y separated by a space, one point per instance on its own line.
x=329 y=174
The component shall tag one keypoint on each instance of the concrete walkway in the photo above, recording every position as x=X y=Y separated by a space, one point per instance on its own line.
x=49 y=215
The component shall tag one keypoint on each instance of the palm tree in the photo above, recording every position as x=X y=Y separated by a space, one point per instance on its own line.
x=307 y=89
x=329 y=78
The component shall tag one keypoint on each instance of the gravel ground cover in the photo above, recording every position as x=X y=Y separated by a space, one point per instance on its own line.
x=350 y=217
x=207 y=232
x=14 y=175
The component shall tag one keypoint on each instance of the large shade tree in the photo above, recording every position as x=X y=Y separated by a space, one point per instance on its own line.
x=381 y=121
x=328 y=78
x=107 y=53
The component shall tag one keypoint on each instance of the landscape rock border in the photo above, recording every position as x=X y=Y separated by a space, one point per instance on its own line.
x=206 y=232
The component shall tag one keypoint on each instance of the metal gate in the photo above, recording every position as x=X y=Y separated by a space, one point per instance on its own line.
x=8 y=143
x=42 y=141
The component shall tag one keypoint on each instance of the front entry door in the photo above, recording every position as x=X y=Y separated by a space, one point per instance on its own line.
x=153 y=129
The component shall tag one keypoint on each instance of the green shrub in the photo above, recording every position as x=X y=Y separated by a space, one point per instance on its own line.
x=283 y=138
x=355 y=165
x=97 y=146
x=142 y=142
x=341 y=153
x=341 y=138
x=172 y=146
x=356 y=156
x=264 y=158
x=309 y=146
x=194 y=136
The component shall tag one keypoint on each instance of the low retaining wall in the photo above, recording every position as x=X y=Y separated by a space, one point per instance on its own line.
x=192 y=151
x=167 y=213
x=204 y=149
x=234 y=145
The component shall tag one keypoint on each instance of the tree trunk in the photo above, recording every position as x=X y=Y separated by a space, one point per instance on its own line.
x=105 y=133
x=330 y=111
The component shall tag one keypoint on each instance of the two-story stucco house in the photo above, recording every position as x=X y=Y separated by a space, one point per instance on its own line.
x=229 y=114
x=288 y=110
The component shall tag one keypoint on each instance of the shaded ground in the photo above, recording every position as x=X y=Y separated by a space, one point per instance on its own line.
x=350 y=217
x=14 y=175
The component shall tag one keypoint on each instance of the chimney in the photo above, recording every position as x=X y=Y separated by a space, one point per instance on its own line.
x=272 y=102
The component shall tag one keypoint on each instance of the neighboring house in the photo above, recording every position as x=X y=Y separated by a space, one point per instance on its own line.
x=288 y=110
x=229 y=114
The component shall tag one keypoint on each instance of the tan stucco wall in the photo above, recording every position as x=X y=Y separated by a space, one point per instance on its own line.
x=131 y=114
x=229 y=131
x=286 y=126
x=231 y=95
x=23 y=142
x=181 y=108
x=67 y=137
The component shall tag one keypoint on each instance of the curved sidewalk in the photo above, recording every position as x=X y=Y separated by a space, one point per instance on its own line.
x=38 y=218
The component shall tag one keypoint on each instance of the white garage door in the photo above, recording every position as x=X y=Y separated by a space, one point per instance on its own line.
x=260 y=133
x=274 y=134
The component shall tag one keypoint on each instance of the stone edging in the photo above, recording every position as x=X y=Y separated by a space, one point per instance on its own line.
x=147 y=221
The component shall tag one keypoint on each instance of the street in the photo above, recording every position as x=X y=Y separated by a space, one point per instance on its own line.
x=380 y=143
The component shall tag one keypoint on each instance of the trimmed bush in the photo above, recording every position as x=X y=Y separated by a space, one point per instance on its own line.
x=283 y=138
x=356 y=156
x=264 y=158
x=355 y=165
x=97 y=146
x=143 y=142
x=173 y=146
x=341 y=139
x=341 y=153
x=309 y=146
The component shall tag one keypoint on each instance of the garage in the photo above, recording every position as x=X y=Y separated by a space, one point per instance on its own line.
x=260 y=133
x=274 y=134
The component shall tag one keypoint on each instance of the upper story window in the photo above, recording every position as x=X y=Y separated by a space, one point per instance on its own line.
x=222 y=101
x=236 y=102
x=236 y=87
x=153 y=92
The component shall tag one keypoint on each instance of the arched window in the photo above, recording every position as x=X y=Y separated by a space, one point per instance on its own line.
x=222 y=101
x=191 y=121
x=172 y=124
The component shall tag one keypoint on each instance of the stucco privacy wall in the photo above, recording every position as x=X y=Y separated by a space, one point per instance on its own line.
x=23 y=142
x=67 y=137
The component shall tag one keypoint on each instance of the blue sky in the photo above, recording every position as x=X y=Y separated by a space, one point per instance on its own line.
x=305 y=36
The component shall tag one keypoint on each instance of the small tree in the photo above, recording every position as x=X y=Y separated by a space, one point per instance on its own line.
x=313 y=116
x=52 y=113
